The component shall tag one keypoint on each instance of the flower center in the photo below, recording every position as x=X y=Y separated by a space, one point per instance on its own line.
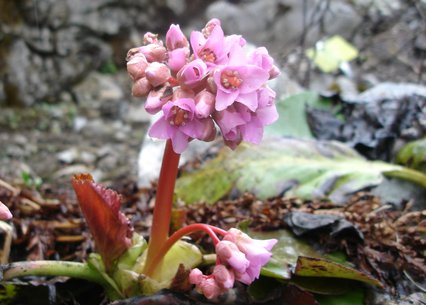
x=207 y=55
x=179 y=116
x=230 y=79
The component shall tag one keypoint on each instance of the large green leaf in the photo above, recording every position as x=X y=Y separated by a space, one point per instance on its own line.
x=292 y=120
x=322 y=268
x=303 y=168
x=413 y=155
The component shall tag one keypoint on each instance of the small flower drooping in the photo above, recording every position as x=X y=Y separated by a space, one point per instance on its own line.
x=226 y=84
x=240 y=258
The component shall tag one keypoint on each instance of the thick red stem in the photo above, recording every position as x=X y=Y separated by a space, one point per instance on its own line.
x=210 y=230
x=163 y=204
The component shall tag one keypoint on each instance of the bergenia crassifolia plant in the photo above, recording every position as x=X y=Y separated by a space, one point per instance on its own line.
x=200 y=87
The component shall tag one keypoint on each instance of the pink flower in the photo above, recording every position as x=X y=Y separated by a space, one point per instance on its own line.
x=5 y=214
x=229 y=254
x=175 y=39
x=210 y=49
x=261 y=58
x=257 y=252
x=238 y=81
x=180 y=125
x=178 y=48
x=238 y=123
x=192 y=73
x=229 y=122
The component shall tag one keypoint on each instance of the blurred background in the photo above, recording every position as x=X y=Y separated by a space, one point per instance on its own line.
x=65 y=100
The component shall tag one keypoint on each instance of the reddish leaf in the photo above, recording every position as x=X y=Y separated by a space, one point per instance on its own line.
x=101 y=209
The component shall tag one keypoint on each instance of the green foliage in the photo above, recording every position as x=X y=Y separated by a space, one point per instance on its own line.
x=7 y=293
x=31 y=181
x=108 y=67
x=303 y=168
x=413 y=155
x=355 y=296
x=292 y=110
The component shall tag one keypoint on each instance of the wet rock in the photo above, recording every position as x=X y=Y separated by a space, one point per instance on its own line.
x=47 y=46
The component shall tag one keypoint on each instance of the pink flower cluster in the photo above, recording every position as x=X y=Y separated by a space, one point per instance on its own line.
x=239 y=258
x=218 y=82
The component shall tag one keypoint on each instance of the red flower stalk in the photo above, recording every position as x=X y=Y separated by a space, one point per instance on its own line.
x=111 y=230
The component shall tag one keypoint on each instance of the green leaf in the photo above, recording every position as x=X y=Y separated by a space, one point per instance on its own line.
x=292 y=116
x=181 y=253
x=303 y=168
x=413 y=155
x=319 y=267
x=7 y=293
x=284 y=253
x=292 y=120
x=354 y=297
x=328 y=55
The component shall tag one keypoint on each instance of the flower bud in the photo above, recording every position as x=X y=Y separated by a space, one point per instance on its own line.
x=204 y=104
x=141 y=87
x=228 y=253
x=224 y=277
x=274 y=72
x=136 y=66
x=207 y=30
x=175 y=39
x=157 y=73
x=154 y=52
x=178 y=58
x=151 y=38
x=192 y=73
x=207 y=131
x=180 y=93
x=4 y=212
x=157 y=98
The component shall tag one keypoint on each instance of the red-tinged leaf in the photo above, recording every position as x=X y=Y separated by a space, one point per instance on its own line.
x=101 y=209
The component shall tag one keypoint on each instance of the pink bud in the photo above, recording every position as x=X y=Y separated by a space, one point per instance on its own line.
x=224 y=277
x=274 y=72
x=4 y=212
x=192 y=73
x=204 y=104
x=207 y=30
x=178 y=58
x=157 y=98
x=180 y=93
x=157 y=73
x=196 y=276
x=136 y=66
x=154 y=52
x=229 y=253
x=207 y=132
x=211 y=85
x=210 y=288
x=175 y=39
x=141 y=87
x=151 y=38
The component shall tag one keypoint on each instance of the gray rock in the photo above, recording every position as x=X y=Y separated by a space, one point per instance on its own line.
x=48 y=46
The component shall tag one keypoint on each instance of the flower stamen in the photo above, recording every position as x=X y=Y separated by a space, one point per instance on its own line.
x=179 y=116
x=207 y=55
x=230 y=79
